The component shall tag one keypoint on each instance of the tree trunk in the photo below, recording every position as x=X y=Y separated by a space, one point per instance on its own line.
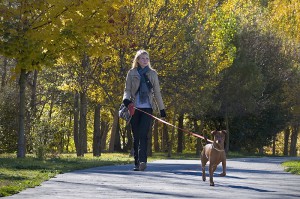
x=170 y=145
x=4 y=73
x=149 y=147
x=32 y=114
x=104 y=131
x=33 y=95
x=97 y=136
x=129 y=144
x=198 y=130
x=117 y=146
x=180 y=134
x=294 y=137
x=261 y=151
x=113 y=131
x=21 y=133
x=274 y=145
x=286 y=142
x=82 y=124
x=76 y=122
x=165 y=138
x=83 y=76
x=227 y=134
x=69 y=132
x=61 y=136
x=155 y=136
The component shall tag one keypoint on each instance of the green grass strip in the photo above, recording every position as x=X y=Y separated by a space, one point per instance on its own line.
x=17 y=174
x=292 y=166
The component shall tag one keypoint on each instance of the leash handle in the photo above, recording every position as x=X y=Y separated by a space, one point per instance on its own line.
x=163 y=121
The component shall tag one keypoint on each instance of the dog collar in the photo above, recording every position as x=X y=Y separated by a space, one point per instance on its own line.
x=220 y=150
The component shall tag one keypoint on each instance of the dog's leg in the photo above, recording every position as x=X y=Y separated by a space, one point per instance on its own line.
x=204 y=160
x=214 y=168
x=203 y=172
x=211 y=175
x=224 y=168
x=203 y=163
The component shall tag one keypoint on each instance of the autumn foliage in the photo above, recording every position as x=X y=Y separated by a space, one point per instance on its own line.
x=230 y=65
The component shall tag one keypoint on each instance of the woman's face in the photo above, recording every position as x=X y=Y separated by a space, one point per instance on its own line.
x=143 y=60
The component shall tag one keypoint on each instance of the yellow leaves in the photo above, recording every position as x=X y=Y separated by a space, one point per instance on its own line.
x=28 y=31
x=222 y=26
x=116 y=5
x=70 y=86
x=285 y=16
x=96 y=94
x=284 y=22
x=79 y=13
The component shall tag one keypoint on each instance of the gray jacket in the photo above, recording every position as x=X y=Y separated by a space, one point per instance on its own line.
x=132 y=85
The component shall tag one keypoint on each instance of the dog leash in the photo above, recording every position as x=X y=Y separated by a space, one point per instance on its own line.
x=163 y=121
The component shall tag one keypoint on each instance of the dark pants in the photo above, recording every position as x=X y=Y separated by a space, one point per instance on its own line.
x=140 y=125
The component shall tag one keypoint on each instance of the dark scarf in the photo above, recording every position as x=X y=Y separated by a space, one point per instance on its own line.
x=143 y=90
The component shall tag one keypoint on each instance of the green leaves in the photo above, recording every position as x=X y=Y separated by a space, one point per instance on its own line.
x=247 y=48
x=221 y=49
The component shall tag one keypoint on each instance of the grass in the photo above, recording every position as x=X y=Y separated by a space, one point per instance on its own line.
x=17 y=174
x=292 y=166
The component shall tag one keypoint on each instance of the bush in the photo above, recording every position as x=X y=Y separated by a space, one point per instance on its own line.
x=8 y=120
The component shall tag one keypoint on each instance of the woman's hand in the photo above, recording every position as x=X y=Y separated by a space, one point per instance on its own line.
x=131 y=108
x=163 y=113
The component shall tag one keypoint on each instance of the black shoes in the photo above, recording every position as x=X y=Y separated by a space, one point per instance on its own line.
x=141 y=167
x=136 y=168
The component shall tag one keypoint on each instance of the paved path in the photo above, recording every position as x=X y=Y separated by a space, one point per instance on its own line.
x=246 y=178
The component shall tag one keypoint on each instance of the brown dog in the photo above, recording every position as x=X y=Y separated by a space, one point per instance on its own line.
x=214 y=153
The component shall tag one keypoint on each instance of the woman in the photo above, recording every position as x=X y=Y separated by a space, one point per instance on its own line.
x=141 y=90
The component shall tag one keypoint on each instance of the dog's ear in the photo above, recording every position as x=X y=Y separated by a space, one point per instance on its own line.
x=225 y=132
x=213 y=132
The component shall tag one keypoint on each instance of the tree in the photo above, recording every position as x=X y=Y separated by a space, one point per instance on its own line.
x=254 y=100
x=83 y=46
x=22 y=25
x=284 y=23
x=97 y=135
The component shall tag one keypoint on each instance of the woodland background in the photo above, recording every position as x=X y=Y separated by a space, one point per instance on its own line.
x=222 y=64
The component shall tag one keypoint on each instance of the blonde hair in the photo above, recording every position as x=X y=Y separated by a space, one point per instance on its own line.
x=136 y=57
